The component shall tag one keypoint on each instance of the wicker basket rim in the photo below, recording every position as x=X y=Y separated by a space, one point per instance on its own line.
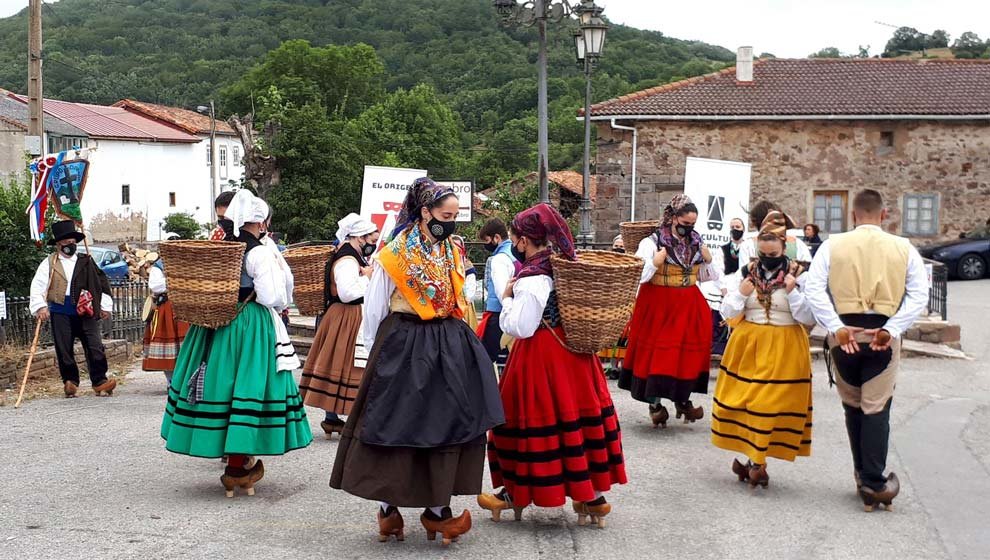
x=630 y=260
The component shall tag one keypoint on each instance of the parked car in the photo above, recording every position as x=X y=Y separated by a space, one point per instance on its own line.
x=109 y=261
x=967 y=258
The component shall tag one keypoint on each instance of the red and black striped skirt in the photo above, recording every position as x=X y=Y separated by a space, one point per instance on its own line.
x=561 y=438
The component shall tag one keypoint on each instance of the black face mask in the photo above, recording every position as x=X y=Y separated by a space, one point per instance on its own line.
x=618 y=249
x=736 y=234
x=772 y=263
x=491 y=247
x=368 y=249
x=227 y=226
x=68 y=250
x=441 y=230
x=683 y=230
x=518 y=255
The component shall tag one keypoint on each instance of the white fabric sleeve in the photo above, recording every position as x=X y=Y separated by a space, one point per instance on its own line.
x=816 y=290
x=502 y=271
x=803 y=252
x=269 y=280
x=747 y=251
x=470 y=287
x=915 y=296
x=734 y=303
x=798 y=303
x=709 y=272
x=522 y=313
x=646 y=251
x=39 y=287
x=156 y=281
x=106 y=303
x=376 y=302
x=350 y=284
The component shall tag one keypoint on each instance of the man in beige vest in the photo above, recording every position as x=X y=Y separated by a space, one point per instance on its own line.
x=70 y=290
x=867 y=287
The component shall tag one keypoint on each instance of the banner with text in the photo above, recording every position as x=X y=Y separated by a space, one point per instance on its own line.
x=465 y=197
x=720 y=190
x=382 y=193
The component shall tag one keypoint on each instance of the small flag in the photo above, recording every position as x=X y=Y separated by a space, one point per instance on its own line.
x=39 y=201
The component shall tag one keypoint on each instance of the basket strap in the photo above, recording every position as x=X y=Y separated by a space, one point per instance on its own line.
x=562 y=343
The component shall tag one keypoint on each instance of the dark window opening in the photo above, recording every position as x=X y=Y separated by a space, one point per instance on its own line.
x=125 y=194
x=171 y=199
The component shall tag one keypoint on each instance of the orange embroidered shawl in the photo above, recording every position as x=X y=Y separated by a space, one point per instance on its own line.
x=430 y=276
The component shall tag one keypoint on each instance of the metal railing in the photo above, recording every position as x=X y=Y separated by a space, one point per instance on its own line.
x=125 y=321
x=938 y=297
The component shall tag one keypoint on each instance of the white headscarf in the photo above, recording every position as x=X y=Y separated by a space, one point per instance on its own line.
x=353 y=225
x=246 y=208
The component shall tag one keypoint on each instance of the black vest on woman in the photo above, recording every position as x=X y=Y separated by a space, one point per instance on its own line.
x=345 y=250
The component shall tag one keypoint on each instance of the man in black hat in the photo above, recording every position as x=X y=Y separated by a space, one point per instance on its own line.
x=71 y=290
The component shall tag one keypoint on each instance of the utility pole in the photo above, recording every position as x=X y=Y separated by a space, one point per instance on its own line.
x=542 y=133
x=36 y=125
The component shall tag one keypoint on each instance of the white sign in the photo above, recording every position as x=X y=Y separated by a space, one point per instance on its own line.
x=720 y=190
x=3 y=305
x=382 y=193
x=465 y=196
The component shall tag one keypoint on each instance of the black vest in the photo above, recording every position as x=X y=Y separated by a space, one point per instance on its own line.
x=731 y=261
x=345 y=250
x=247 y=283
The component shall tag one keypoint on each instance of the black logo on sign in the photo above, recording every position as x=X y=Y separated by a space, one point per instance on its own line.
x=716 y=212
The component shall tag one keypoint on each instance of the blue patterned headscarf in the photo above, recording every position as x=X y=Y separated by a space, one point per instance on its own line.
x=424 y=192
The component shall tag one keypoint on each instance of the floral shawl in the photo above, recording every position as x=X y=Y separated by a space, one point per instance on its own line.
x=430 y=276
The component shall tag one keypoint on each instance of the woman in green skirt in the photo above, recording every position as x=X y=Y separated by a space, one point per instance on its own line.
x=233 y=393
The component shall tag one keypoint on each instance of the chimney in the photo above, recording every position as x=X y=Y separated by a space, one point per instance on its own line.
x=744 y=65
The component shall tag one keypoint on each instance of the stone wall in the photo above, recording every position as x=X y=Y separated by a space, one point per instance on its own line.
x=12 y=162
x=45 y=365
x=110 y=227
x=792 y=159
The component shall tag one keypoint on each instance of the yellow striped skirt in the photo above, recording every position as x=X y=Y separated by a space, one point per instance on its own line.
x=762 y=404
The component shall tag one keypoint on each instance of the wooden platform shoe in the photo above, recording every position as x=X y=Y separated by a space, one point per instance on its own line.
x=689 y=412
x=449 y=527
x=390 y=524
x=331 y=428
x=659 y=415
x=596 y=510
x=497 y=503
x=243 y=477
x=884 y=498
x=106 y=388
x=70 y=389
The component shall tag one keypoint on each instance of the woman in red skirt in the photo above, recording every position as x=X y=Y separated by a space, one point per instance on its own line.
x=163 y=333
x=561 y=438
x=670 y=340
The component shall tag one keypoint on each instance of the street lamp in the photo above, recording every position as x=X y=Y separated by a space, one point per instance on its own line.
x=589 y=42
x=211 y=111
x=539 y=12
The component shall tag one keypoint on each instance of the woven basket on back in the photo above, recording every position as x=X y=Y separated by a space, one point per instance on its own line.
x=634 y=232
x=203 y=280
x=308 y=264
x=595 y=295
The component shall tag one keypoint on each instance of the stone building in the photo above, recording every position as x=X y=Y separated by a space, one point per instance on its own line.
x=815 y=131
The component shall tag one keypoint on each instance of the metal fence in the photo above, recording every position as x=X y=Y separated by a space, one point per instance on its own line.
x=938 y=297
x=125 y=321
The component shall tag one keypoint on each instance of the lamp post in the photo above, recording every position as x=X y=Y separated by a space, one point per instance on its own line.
x=589 y=42
x=539 y=13
x=213 y=154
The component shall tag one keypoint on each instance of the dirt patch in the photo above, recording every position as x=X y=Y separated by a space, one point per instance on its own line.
x=47 y=386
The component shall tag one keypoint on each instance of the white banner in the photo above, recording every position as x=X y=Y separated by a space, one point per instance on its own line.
x=465 y=196
x=382 y=193
x=720 y=190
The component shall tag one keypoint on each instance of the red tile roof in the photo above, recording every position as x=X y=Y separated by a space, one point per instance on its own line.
x=99 y=121
x=820 y=87
x=574 y=182
x=189 y=121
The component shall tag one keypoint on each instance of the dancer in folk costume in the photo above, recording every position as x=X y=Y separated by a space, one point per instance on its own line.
x=670 y=340
x=762 y=404
x=866 y=288
x=416 y=433
x=163 y=333
x=330 y=379
x=470 y=283
x=561 y=438
x=70 y=290
x=233 y=392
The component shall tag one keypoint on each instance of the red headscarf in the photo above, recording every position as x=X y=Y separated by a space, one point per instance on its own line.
x=543 y=224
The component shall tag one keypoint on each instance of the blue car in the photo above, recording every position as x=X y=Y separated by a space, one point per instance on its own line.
x=966 y=258
x=109 y=261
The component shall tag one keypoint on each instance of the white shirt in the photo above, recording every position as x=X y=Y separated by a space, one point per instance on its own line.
x=470 y=287
x=648 y=249
x=501 y=268
x=523 y=312
x=288 y=278
x=794 y=304
x=272 y=285
x=376 y=303
x=915 y=294
x=156 y=281
x=351 y=285
x=39 y=284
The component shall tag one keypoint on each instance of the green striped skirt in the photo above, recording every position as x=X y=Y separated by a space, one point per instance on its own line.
x=248 y=407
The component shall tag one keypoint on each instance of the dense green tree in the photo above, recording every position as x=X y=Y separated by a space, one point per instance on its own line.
x=20 y=255
x=969 y=45
x=827 y=52
x=184 y=225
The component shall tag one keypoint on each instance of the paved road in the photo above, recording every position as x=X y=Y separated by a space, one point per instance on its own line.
x=89 y=478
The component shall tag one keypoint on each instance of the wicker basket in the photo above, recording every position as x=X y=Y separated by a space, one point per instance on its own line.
x=203 y=280
x=595 y=294
x=308 y=264
x=634 y=232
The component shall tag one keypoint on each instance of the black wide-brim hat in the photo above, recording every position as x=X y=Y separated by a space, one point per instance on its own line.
x=66 y=229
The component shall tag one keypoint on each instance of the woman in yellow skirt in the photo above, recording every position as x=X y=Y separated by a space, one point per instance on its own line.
x=762 y=405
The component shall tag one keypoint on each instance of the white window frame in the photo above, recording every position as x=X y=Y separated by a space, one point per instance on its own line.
x=236 y=155
x=223 y=162
x=913 y=205
x=209 y=155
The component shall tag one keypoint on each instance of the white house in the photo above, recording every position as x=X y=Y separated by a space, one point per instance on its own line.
x=150 y=161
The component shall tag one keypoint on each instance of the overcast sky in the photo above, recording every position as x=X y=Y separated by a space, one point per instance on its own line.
x=786 y=28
